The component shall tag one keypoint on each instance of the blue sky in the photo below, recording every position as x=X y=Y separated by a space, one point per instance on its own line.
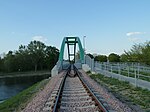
x=109 y=25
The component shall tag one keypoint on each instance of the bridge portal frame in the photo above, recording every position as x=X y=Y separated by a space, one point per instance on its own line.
x=67 y=41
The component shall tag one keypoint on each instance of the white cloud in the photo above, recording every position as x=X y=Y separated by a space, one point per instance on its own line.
x=39 y=38
x=134 y=33
x=133 y=39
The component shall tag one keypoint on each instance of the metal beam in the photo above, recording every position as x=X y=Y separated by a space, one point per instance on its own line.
x=70 y=41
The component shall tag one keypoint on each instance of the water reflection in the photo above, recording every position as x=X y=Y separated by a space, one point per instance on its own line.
x=11 y=86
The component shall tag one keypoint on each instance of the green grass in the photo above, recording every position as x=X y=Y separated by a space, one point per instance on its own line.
x=135 y=95
x=19 y=101
x=125 y=73
x=88 y=72
x=144 y=73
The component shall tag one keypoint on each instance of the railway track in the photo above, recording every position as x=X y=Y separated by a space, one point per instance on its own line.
x=74 y=95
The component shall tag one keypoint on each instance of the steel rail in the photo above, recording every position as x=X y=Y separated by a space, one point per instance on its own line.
x=99 y=104
x=55 y=108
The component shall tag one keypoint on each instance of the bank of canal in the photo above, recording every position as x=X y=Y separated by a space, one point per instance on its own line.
x=12 y=84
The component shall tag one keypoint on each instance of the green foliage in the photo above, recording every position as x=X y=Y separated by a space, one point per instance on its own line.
x=114 y=57
x=124 y=58
x=1 y=64
x=139 y=53
x=88 y=72
x=90 y=55
x=35 y=56
x=146 y=53
x=101 y=58
x=36 y=51
x=52 y=54
x=9 y=61
x=20 y=100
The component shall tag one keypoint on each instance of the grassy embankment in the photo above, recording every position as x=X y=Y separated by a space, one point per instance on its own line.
x=125 y=91
x=18 y=102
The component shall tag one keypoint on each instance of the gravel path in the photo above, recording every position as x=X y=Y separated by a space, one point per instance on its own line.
x=106 y=96
x=39 y=100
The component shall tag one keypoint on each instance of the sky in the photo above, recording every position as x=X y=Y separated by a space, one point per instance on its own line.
x=110 y=26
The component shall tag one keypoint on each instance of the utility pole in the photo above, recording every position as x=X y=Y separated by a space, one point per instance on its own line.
x=84 y=43
x=84 y=48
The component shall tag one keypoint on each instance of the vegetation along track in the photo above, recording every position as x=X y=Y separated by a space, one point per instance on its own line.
x=74 y=95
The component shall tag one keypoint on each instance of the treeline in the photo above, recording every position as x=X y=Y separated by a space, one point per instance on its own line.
x=138 y=53
x=35 y=56
x=103 y=58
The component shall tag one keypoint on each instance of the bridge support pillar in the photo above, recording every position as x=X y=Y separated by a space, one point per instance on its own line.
x=54 y=71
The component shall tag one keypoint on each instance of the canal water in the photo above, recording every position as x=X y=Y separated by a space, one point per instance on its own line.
x=13 y=85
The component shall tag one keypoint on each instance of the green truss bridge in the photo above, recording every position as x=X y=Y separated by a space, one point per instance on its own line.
x=71 y=43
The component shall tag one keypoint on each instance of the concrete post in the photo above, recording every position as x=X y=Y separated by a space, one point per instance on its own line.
x=111 y=68
x=105 y=66
x=138 y=70
x=128 y=71
x=92 y=61
x=119 y=69
x=135 y=77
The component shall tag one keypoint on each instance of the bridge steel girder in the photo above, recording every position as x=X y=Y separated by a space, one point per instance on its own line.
x=77 y=41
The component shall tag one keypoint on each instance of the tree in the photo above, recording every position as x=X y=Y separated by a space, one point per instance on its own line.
x=35 y=56
x=36 y=51
x=114 y=57
x=1 y=64
x=101 y=58
x=145 y=56
x=135 y=53
x=9 y=62
x=52 y=54
x=139 y=53
x=90 y=55
x=23 y=58
x=124 y=58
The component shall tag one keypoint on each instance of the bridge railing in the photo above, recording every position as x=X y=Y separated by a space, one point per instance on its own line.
x=89 y=61
x=131 y=72
x=134 y=74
